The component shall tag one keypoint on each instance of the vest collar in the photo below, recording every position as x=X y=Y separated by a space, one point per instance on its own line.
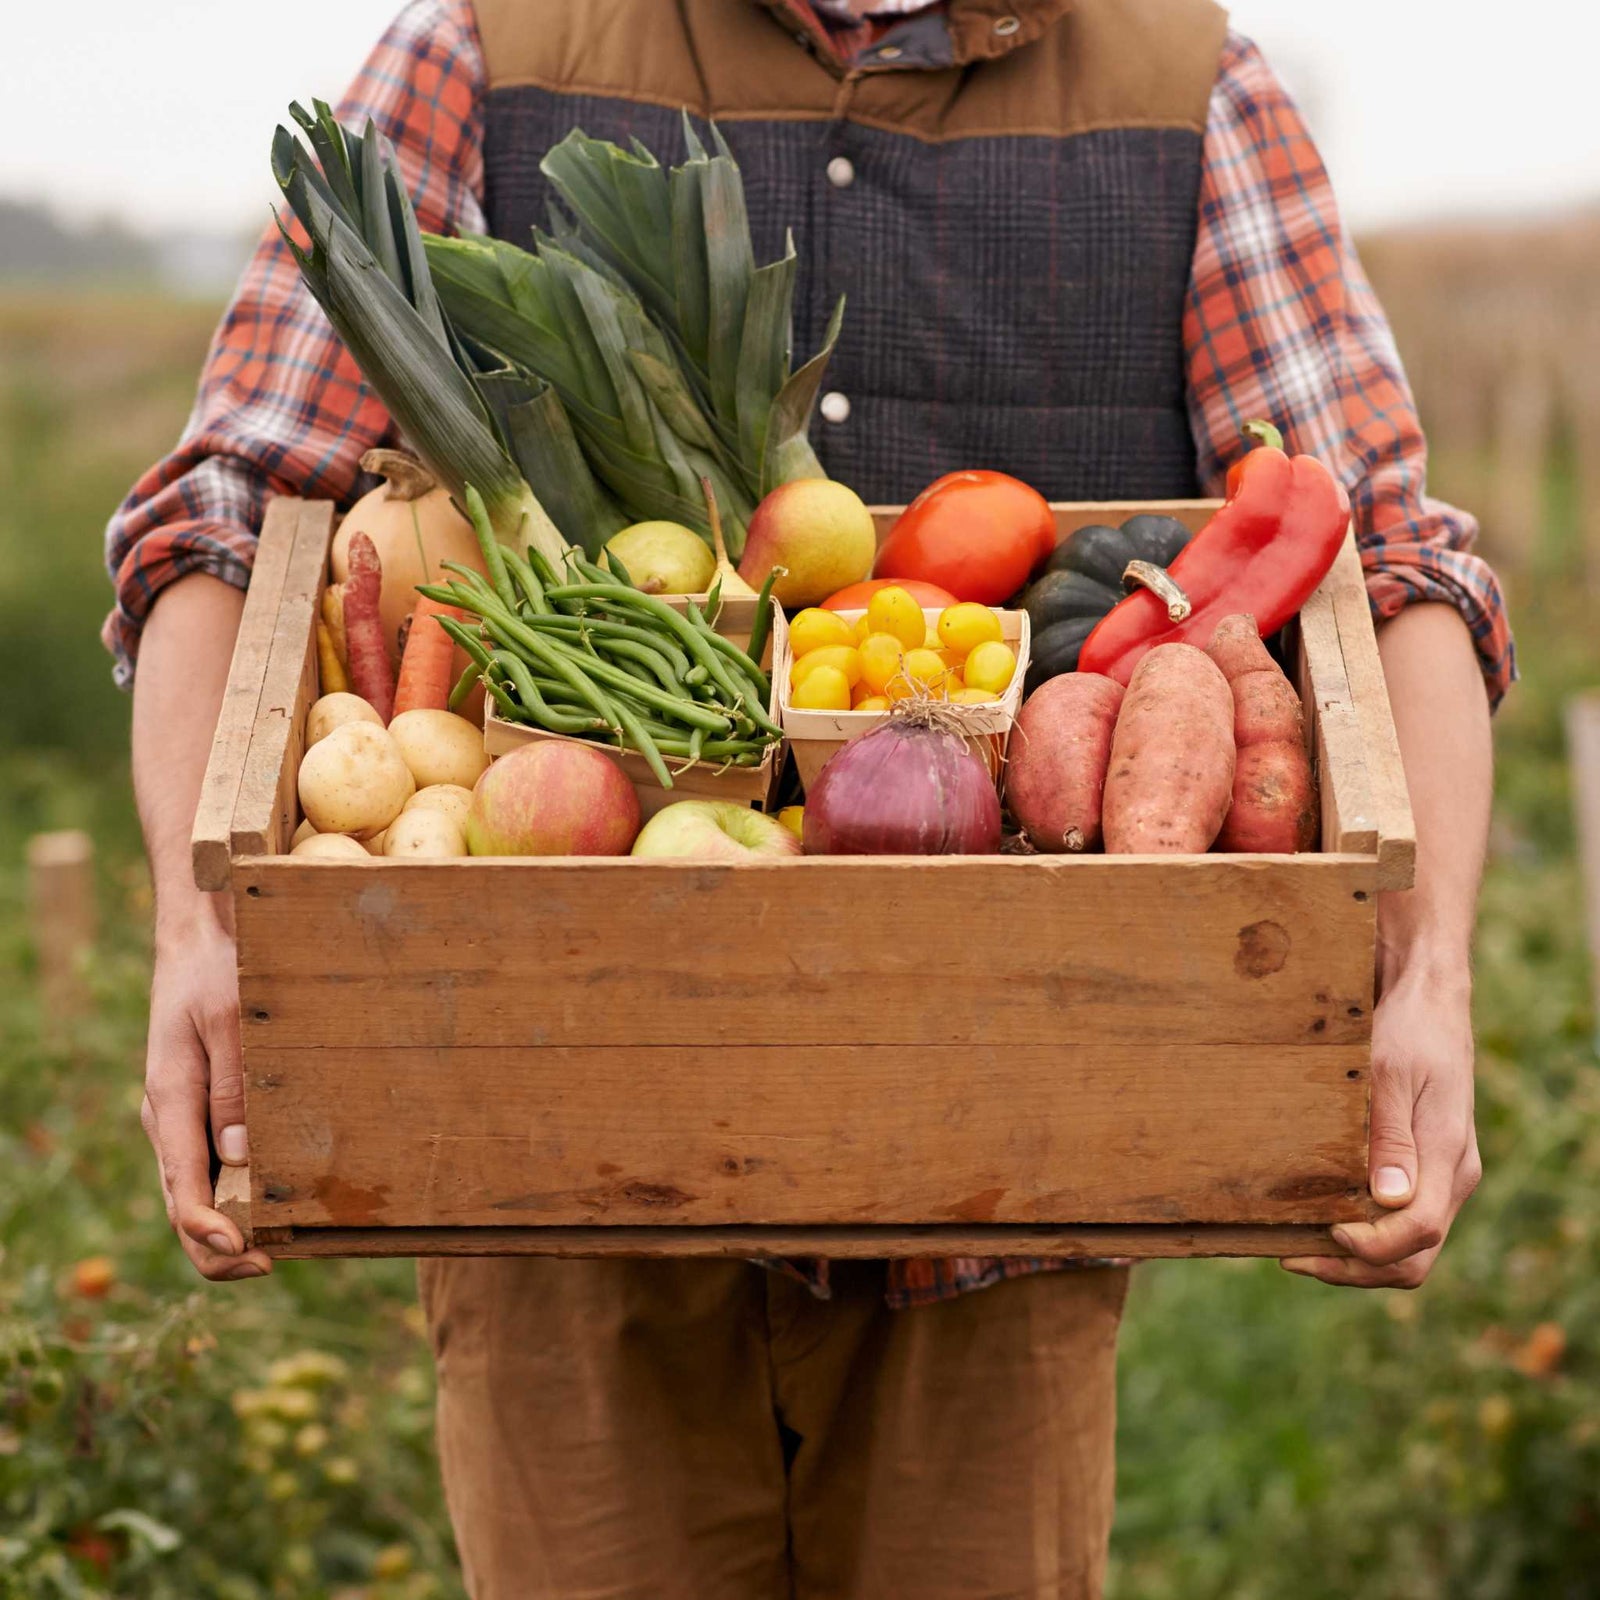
x=975 y=30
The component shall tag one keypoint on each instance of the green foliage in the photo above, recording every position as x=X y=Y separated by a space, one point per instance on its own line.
x=165 y=1440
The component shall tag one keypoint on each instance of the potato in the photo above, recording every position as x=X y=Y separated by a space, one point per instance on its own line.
x=1170 y=781
x=1057 y=758
x=333 y=711
x=450 y=798
x=354 y=781
x=428 y=833
x=374 y=845
x=330 y=847
x=440 y=747
x=302 y=833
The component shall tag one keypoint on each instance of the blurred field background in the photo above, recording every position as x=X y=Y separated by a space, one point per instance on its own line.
x=165 y=1440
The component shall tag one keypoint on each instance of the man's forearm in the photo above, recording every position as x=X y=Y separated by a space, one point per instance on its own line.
x=1441 y=714
x=183 y=669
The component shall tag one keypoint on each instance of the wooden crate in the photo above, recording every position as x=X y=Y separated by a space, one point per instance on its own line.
x=1052 y=1055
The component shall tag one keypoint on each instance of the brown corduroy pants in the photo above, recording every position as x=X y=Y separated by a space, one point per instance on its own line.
x=693 y=1430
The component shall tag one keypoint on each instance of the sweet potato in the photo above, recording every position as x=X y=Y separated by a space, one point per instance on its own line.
x=1057 y=759
x=1171 y=774
x=1274 y=806
x=371 y=672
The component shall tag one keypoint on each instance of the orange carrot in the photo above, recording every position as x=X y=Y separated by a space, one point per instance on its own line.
x=371 y=676
x=426 y=668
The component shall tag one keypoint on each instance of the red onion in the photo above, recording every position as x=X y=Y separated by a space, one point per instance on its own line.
x=909 y=787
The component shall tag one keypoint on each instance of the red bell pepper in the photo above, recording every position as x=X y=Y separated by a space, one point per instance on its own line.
x=1263 y=552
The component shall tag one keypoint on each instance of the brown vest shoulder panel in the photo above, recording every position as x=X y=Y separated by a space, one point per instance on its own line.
x=1105 y=64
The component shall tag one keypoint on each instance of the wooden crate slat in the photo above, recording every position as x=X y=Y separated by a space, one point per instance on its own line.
x=263 y=816
x=212 y=834
x=805 y=1134
x=1349 y=817
x=1221 y=949
x=1169 y=1240
x=1358 y=643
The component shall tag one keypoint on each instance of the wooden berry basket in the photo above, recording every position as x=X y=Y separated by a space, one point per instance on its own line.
x=1148 y=1056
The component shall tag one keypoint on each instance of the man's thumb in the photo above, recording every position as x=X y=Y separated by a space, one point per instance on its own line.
x=1392 y=1154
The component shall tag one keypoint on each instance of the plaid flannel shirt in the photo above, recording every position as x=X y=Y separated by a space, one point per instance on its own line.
x=1280 y=322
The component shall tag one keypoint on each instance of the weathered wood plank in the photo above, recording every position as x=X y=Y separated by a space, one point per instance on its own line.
x=839 y=1244
x=1369 y=695
x=232 y=1198
x=212 y=834
x=263 y=815
x=803 y=1134
x=1349 y=818
x=993 y=950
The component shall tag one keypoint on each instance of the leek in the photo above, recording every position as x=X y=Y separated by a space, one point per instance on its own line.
x=681 y=241
x=368 y=270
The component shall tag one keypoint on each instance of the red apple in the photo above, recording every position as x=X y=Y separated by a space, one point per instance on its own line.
x=553 y=798
x=713 y=830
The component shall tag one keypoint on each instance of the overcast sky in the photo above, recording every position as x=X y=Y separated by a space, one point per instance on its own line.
x=161 y=111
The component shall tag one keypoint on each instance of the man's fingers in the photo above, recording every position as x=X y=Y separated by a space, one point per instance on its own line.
x=1346 y=1272
x=1422 y=1225
x=178 y=1104
x=1392 y=1151
x=220 y=1037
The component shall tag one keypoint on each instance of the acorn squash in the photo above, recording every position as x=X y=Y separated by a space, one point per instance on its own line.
x=1083 y=580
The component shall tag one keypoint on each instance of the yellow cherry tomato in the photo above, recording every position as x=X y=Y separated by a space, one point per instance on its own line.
x=990 y=667
x=825 y=689
x=794 y=819
x=894 y=611
x=881 y=658
x=872 y=702
x=924 y=667
x=954 y=659
x=862 y=628
x=964 y=627
x=845 y=659
x=972 y=697
x=816 y=629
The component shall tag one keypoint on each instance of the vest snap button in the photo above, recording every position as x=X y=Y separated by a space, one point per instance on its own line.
x=835 y=407
x=841 y=172
x=890 y=52
x=1006 y=26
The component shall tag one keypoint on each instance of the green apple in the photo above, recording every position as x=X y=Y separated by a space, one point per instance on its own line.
x=713 y=830
x=664 y=557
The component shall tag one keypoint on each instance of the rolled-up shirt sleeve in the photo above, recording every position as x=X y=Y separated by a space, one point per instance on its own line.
x=1282 y=323
x=281 y=407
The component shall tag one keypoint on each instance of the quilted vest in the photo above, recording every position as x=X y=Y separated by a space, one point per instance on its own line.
x=1004 y=190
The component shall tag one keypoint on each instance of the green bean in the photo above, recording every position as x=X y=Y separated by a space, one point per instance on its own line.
x=758 y=679
x=645 y=744
x=618 y=570
x=608 y=628
x=470 y=576
x=535 y=704
x=515 y=633
x=464 y=683
x=517 y=637
x=694 y=637
x=493 y=555
x=522 y=575
x=762 y=623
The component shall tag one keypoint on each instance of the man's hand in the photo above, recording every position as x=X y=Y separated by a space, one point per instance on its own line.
x=1424 y=1150
x=193 y=1083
